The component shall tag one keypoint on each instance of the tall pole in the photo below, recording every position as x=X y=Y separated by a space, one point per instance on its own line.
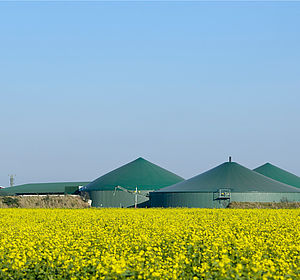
x=11 y=180
x=135 y=198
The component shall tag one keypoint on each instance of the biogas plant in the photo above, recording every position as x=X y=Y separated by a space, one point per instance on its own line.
x=141 y=183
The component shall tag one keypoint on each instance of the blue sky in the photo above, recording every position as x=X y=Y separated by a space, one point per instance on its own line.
x=86 y=87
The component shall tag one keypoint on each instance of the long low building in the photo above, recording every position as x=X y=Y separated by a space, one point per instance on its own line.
x=43 y=188
x=221 y=185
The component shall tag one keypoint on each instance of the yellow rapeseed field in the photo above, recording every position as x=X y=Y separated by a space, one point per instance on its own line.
x=149 y=244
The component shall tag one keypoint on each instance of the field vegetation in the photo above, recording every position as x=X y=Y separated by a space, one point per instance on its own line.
x=149 y=244
x=264 y=205
x=43 y=201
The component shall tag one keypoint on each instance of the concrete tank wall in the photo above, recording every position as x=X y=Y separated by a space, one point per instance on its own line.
x=118 y=199
x=206 y=199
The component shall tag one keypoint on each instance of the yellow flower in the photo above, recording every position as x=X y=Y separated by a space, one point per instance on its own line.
x=149 y=244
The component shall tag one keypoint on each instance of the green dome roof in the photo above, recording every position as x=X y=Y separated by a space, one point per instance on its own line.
x=233 y=176
x=278 y=174
x=138 y=173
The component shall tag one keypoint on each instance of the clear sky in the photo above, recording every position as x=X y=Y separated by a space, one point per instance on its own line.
x=87 y=87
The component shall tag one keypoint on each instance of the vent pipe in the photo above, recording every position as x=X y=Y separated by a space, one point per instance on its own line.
x=229 y=159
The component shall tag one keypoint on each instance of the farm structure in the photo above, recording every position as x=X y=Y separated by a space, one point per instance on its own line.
x=43 y=188
x=278 y=174
x=221 y=185
x=129 y=185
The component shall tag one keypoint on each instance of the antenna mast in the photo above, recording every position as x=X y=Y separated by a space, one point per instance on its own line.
x=11 y=180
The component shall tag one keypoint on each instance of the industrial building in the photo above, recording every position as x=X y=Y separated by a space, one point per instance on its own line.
x=221 y=185
x=129 y=185
x=43 y=188
x=278 y=174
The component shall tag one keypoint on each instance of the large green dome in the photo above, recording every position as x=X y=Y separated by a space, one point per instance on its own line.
x=278 y=174
x=233 y=176
x=139 y=173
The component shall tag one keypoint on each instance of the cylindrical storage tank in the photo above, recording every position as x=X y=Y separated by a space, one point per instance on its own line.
x=119 y=198
x=221 y=185
x=129 y=185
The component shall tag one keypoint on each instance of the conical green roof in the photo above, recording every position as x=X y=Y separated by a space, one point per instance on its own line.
x=138 y=173
x=278 y=174
x=233 y=176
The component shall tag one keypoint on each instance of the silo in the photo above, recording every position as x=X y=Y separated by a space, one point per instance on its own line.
x=278 y=174
x=129 y=185
x=221 y=185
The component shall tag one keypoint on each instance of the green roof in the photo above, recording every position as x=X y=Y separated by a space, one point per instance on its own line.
x=43 y=188
x=233 y=176
x=278 y=174
x=139 y=173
